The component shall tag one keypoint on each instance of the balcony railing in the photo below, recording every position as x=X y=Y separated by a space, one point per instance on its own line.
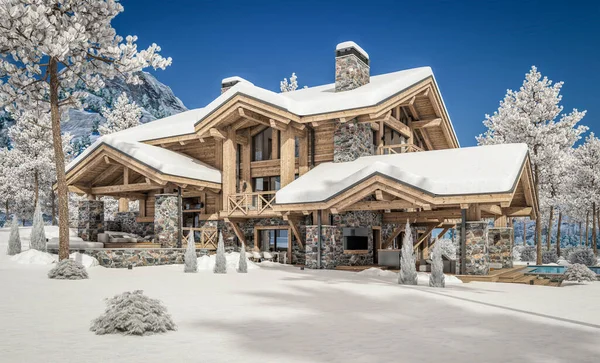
x=251 y=203
x=398 y=149
x=208 y=237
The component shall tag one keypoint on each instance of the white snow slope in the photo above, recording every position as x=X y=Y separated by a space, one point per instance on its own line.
x=283 y=314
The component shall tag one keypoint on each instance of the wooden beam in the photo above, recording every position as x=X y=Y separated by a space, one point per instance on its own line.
x=398 y=217
x=303 y=165
x=423 y=124
x=242 y=139
x=424 y=236
x=277 y=125
x=383 y=196
x=229 y=166
x=79 y=189
x=491 y=209
x=236 y=229
x=393 y=236
x=411 y=107
x=123 y=205
x=474 y=213
x=112 y=189
x=257 y=130
x=107 y=160
x=517 y=211
x=379 y=205
x=105 y=174
x=294 y=227
x=287 y=157
x=216 y=133
x=125 y=175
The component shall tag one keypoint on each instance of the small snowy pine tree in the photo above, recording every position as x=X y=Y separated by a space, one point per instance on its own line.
x=579 y=273
x=243 y=265
x=437 y=278
x=220 y=260
x=190 y=258
x=133 y=313
x=38 y=235
x=408 y=270
x=14 y=240
x=68 y=269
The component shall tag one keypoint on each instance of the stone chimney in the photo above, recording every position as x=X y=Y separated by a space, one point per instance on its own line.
x=229 y=82
x=351 y=67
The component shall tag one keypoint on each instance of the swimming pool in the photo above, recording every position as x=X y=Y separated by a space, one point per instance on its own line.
x=554 y=270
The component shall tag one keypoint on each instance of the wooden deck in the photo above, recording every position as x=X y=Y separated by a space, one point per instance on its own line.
x=358 y=268
x=515 y=275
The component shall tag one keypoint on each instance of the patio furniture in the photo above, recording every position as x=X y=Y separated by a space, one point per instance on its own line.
x=268 y=256
x=255 y=256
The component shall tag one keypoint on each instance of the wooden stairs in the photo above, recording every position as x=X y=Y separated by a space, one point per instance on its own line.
x=515 y=275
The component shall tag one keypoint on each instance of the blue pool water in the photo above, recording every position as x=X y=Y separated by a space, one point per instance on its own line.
x=554 y=270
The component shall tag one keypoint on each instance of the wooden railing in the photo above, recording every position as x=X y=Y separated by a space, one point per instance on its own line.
x=209 y=237
x=398 y=149
x=251 y=203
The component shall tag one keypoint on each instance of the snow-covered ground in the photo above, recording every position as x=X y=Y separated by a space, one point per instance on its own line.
x=283 y=314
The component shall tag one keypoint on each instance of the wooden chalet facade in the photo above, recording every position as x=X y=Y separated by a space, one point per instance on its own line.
x=225 y=167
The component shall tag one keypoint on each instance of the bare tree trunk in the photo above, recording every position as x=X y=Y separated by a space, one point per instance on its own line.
x=558 y=234
x=53 y=201
x=524 y=231
x=59 y=160
x=36 y=188
x=594 y=244
x=538 y=219
x=6 y=212
x=587 y=227
x=580 y=233
x=549 y=231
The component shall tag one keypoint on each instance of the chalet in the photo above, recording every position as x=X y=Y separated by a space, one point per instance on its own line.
x=326 y=175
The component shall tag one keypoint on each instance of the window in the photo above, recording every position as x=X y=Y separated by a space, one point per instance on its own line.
x=274 y=240
x=266 y=184
x=262 y=145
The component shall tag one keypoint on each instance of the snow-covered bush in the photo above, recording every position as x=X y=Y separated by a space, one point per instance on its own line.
x=14 y=239
x=38 y=235
x=68 y=269
x=528 y=254
x=408 y=270
x=579 y=273
x=243 y=265
x=437 y=278
x=190 y=258
x=516 y=253
x=133 y=313
x=582 y=255
x=447 y=247
x=564 y=252
x=221 y=261
x=549 y=257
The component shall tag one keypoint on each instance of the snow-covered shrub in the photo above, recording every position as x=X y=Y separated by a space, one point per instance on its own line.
x=564 y=252
x=133 y=313
x=408 y=269
x=579 y=273
x=243 y=265
x=516 y=253
x=68 y=269
x=582 y=255
x=14 y=239
x=190 y=258
x=38 y=235
x=549 y=257
x=448 y=247
x=437 y=278
x=221 y=261
x=528 y=254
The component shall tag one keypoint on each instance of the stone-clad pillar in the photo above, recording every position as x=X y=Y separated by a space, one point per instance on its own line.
x=500 y=242
x=327 y=246
x=351 y=140
x=477 y=249
x=91 y=219
x=166 y=220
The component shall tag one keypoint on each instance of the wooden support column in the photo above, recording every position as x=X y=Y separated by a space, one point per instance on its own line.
x=142 y=203
x=303 y=155
x=229 y=166
x=275 y=144
x=246 y=162
x=124 y=202
x=474 y=213
x=501 y=221
x=288 y=157
x=219 y=165
x=237 y=230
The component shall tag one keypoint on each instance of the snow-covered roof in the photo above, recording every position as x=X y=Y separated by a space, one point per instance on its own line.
x=466 y=171
x=351 y=44
x=233 y=79
x=163 y=160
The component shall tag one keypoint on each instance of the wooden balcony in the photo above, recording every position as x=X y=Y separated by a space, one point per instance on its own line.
x=209 y=237
x=398 y=149
x=251 y=204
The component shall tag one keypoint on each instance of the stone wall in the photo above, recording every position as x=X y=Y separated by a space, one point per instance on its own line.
x=123 y=257
x=128 y=224
x=352 y=140
x=166 y=220
x=91 y=219
x=355 y=219
x=350 y=73
x=328 y=246
x=477 y=250
x=500 y=246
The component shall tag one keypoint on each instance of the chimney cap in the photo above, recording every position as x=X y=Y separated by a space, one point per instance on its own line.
x=231 y=81
x=351 y=44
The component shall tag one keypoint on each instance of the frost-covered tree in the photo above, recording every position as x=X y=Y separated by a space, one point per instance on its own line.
x=190 y=258
x=14 y=239
x=38 y=235
x=587 y=179
x=292 y=85
x=243 y=264
x=46 y=48
x=121 y=116
x=579 y=273
x=133 y=313
x=68 y=269
x=533 y=115
x=582 y=255
x=549 y=256
x=437 y=278
x=408 y=269
x=528 y=254
x=220 y=259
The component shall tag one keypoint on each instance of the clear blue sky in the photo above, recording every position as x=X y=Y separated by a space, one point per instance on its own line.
x=477 y=49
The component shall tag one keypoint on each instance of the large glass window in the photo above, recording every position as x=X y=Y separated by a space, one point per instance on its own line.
x=262 y=145
x=274 y=240
x=266 y=184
